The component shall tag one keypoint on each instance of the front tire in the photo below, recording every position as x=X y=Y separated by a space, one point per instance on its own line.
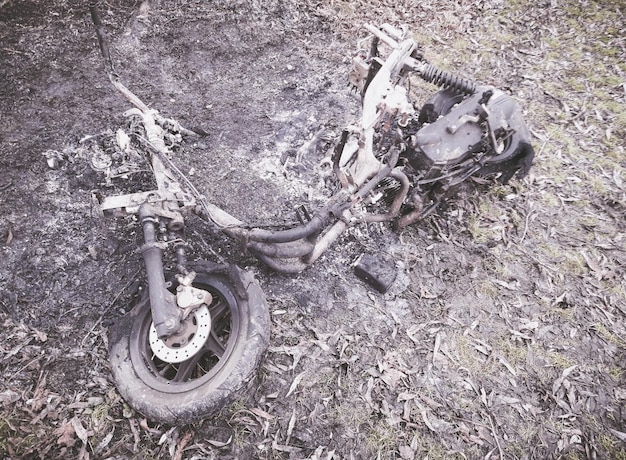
x=178 y=393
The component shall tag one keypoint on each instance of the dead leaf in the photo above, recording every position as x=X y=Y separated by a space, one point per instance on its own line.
x=284 y=448
x=510 y=368
x=292 y=424
x=530 y=325
x=393 y=417
x=80 y=430
x=392 y=377
x=182 y=443
x=168 y=435
x=620 y=434
x=83 y=454
x=317 y=455
x=66 y=435
x=594 y=265
x=558 y=382
x=8 y=397
x=368 y=393
x=501 y=399
x=219 y=443
x=40 y=336
x=406 y=452
x=434 y=424
x=261 y=413
x=40 y=395
x=437 y=346
x=617 y=178
x=295 y=383
x=105 y=441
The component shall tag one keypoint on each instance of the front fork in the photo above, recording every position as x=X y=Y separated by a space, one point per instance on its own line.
x=166 y=315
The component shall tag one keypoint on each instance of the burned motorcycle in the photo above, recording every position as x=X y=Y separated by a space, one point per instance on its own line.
x=397 y=155
x=195 y=339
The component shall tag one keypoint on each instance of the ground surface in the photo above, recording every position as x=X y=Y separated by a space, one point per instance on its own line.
x=504 y=335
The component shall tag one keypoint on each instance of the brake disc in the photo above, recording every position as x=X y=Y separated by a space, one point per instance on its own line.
x=180 y=347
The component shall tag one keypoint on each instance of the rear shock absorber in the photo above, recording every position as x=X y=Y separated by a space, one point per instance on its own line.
x=446 y=80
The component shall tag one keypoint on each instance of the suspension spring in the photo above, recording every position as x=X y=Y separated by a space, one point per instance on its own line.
x=446 y=80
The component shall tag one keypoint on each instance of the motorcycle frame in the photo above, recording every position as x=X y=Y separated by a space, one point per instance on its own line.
x=358 y=168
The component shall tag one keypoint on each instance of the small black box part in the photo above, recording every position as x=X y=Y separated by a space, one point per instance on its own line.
x=378 y=271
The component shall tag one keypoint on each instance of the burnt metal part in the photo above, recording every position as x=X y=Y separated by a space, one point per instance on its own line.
x=461 y=129
x=377 y=270
x=446 y=80
x=101 y=34
x=317 y=222
x=288 y=250
x=292 y=250
x=400 y=196
x=165 y=313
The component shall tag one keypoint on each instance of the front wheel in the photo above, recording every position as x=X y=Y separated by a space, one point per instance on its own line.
x=172 y=389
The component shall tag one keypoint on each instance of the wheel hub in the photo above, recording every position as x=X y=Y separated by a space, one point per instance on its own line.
x=180 y=347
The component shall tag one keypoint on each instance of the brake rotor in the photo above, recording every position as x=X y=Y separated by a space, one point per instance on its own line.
x=195 y=330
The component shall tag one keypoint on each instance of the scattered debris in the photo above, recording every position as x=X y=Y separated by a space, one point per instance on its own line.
x=377 y=270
